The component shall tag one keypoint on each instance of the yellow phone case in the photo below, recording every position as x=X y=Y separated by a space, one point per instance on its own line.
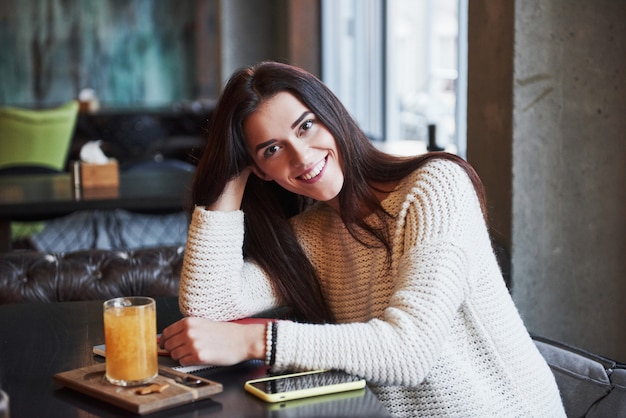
x=303 y=385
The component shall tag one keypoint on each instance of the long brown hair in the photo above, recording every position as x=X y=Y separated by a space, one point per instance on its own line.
x=269 y=239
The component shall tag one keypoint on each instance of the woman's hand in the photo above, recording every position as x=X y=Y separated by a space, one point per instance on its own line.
x=231 y=197
x=194 y=341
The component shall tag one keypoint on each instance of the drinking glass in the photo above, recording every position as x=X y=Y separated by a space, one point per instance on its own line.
x=130 y=340
x=4 y=404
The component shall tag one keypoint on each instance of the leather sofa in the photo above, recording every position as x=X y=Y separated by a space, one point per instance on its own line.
x=30 y=276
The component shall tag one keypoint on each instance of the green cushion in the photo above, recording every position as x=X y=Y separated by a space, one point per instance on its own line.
x=37 y=137
x=23 y=230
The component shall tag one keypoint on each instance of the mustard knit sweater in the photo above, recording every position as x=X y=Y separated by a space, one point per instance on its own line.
x=435 y=334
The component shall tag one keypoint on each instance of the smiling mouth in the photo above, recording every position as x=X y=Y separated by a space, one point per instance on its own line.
x=315 y=171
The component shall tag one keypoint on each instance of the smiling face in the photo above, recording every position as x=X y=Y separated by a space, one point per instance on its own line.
x=290 y=146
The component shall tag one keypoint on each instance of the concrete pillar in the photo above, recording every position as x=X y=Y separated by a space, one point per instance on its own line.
x=280 y=30
x=569 y=171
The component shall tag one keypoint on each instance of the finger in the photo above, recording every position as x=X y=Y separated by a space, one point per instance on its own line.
x=175 y=342
x=188 y=360
x=173 y=336
x=178 y=353
x=174 y=329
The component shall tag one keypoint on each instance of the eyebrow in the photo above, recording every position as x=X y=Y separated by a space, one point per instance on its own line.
x=302 y=116
x=264 y=144
x=293 y=125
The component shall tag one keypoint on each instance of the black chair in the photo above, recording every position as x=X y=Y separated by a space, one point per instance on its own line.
x=21 y=230
x=591 y=385
x=166 y=164
x=20 y=170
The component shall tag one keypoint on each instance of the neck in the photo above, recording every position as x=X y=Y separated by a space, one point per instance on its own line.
x=381 y=191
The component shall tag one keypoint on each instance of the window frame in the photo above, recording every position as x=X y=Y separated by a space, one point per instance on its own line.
x=357 y=37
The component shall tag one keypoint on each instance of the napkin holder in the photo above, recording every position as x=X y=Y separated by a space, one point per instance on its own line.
x=96 y=176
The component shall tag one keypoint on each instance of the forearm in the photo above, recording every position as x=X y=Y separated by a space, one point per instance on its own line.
x=400 y=347
x=216 y=282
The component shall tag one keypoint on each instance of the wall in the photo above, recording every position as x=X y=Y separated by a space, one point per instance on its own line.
x=280 y=30
x=561 y=164
x=262 y=37
x=137 y=52
x=489 y=107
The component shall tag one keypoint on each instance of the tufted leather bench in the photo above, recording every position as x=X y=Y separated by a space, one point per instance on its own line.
x=30 y=276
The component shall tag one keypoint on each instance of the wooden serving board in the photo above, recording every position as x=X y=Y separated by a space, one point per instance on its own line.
x=91 y=381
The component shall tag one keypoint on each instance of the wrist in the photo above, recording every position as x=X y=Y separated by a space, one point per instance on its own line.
x=231 y=196
x=256 y=342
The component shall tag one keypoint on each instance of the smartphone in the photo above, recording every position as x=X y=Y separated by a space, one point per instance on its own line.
x=303 y=385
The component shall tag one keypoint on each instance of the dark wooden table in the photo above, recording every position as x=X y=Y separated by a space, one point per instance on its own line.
x=41 y=339
x=45 y=196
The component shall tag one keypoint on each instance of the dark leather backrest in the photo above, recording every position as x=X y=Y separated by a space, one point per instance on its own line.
x=29 y=276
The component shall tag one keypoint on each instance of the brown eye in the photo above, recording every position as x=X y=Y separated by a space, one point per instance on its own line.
x=269 y=151
x=307 y=125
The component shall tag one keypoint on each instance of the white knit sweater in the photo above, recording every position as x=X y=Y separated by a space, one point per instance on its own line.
x=436 y=334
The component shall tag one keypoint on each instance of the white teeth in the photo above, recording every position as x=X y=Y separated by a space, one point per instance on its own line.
x=316 y=170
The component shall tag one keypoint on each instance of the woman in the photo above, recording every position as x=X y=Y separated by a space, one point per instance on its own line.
x=385 y=261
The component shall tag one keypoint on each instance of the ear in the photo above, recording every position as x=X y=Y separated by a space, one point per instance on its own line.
x=259 y=173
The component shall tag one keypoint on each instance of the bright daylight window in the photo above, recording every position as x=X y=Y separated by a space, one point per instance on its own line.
x=399 y=66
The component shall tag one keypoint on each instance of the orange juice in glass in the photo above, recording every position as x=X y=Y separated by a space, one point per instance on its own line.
x=130 y=340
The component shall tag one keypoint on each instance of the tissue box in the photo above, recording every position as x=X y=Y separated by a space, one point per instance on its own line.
x=99 y=175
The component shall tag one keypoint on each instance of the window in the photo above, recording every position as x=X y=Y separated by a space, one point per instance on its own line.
x=399 y=66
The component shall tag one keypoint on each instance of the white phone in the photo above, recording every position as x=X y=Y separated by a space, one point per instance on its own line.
x=303 y=385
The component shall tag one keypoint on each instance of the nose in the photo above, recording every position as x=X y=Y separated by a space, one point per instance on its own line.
x=300 y=155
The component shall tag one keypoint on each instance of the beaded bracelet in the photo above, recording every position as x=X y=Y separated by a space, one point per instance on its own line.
x=268 y=342
x=273 y=347
x=271 y=330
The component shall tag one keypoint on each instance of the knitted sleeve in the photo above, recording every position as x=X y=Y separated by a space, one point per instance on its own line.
x=216 y=282
x=430 y=269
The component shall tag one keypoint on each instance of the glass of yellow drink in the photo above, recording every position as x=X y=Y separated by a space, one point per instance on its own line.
x=130 y=340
